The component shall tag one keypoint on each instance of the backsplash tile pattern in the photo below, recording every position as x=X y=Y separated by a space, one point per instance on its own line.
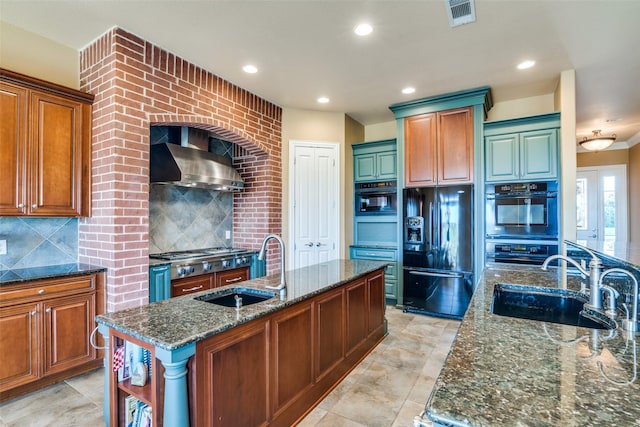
x=182 y=218
x=37 y=242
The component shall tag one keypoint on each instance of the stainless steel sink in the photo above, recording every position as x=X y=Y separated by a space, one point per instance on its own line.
x=236 y=297
x=548 y=305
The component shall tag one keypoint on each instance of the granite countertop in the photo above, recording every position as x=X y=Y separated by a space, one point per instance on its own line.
x=11 y=277
x=505 y=371
x=176 y=322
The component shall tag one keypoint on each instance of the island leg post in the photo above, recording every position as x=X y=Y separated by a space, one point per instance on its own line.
x=176 y=400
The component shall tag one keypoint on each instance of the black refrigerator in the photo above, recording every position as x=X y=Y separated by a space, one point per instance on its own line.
x=438 y=250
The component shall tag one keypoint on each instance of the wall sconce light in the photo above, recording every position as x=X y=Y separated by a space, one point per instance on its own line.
x=597 y=142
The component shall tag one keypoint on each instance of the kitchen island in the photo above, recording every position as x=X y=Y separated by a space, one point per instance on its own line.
x=265 y=363
x=506 y=371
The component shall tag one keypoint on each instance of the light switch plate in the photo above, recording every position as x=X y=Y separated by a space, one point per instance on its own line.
x=3 y=247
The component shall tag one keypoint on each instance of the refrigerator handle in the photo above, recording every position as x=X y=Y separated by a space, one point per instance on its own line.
x=426 y=273
x=431 y=242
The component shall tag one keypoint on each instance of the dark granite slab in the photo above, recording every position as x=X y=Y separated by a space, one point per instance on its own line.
x=9 y=277
x=176 y=322
x=505 y=371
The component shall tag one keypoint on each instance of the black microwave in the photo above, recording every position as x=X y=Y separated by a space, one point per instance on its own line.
x=376 y=198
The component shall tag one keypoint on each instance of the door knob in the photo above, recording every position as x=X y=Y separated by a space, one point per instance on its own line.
x=310 y=244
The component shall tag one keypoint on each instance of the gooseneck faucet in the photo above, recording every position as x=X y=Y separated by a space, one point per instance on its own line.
x=631 y=324
x=595 y=266
x=261 y=256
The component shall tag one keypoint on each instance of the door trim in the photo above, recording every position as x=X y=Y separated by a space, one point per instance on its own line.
x=293 y=144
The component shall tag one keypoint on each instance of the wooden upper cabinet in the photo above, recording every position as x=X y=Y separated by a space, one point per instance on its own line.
x=45 y=147
x=13 y=149
x=439 y=148
x=455 y=146
x=420 y=150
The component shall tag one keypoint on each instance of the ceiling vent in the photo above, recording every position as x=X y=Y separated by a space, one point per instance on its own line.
x=460 y=12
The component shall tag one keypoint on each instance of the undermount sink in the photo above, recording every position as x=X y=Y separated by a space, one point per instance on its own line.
x=546 y=304
x=229 y=297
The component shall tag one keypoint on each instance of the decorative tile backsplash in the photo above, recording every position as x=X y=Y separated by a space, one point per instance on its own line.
x=37 y=242
x=182 y=218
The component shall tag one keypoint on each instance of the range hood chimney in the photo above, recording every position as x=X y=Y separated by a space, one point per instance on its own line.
x=187 y=166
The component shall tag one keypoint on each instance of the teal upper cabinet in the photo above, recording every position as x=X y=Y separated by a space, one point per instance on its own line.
x=522 y=149
x=374 y=161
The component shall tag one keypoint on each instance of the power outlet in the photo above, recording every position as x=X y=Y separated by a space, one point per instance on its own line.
x=3 y=247
x=227 y=234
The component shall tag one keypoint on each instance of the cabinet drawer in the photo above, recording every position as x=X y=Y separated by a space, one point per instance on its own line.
x=230 y=277
x=190 y=285
x=376 y=254
x=46 y=288
x=390 y=272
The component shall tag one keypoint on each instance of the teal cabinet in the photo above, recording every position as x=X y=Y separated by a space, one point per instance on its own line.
x=522 y=149
x=375 y=161
x=390 y=271
x=159 y=282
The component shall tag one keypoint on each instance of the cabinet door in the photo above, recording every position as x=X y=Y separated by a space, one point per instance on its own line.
x=56 y=162
x=376 y=288
x=18 y=345
x=159 y=283
x=364 y=167
x=420 y=150
x=538 y=154
x=68 y=323
x=230 y=277
x=189 y=285
x=292 y=355
x=502 y=158
x=330 y=331
x=13 y=145
x=356 y=314
x=455 y=146
x=386 y=165
x=232 y=384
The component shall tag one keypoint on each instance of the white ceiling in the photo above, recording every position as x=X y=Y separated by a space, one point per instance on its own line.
x=305 y=49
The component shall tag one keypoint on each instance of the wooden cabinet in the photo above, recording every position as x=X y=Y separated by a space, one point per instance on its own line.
x=439 y=148
x=45 y=329
x=375 y=161
x=271 y=370
x=522 y=149
x=230 y=277
x=46 y=148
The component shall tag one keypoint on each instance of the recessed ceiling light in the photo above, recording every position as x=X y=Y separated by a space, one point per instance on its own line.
x=251 y=69
x=408 y=90
x=526 y=64
x=363 y=29
x=323 y=100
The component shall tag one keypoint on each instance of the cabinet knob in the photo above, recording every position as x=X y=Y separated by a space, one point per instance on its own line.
x=41 y=292
x=48 y=310
x=21 y=205
x=33 y=206
x=34 y=312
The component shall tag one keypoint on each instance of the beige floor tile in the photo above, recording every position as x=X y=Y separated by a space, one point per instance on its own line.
x=90 y=385
x=407 y=413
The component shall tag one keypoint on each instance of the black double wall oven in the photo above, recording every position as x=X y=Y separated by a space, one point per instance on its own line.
x=521 y=222
x=438 y=250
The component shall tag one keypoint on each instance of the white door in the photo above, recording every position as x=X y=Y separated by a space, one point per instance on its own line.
x=602 y=203
x=314 y=219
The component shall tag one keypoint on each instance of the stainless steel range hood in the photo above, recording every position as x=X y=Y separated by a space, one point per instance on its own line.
x=192 y=167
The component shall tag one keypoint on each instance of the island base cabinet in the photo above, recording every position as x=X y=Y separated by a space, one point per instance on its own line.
x=275 y=369
x=232 y=387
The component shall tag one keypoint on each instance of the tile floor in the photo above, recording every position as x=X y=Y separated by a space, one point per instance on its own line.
x=388 y=388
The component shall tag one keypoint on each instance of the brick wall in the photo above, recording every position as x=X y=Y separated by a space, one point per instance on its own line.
x=137 y=85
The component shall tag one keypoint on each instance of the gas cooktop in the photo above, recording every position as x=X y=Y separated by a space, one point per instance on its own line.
x=195 y=253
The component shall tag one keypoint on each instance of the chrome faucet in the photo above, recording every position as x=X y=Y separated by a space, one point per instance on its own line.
x=595 y=266
x=261 y=256
x=631 y=323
